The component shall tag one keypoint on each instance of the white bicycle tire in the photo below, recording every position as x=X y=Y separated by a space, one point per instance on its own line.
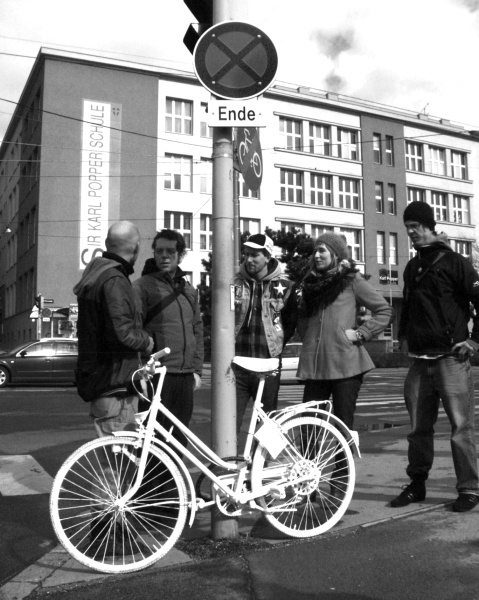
x=73 y=495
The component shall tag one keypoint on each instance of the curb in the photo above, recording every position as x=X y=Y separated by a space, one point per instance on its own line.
x=42 y=572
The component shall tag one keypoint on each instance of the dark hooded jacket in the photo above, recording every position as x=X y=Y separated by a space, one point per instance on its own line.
x=439 y=287
x=171 y=315
x=110 y=337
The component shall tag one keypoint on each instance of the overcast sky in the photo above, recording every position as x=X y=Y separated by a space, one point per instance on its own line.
x=415 y=54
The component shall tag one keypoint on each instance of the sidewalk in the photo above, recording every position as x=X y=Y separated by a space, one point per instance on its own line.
x=380 y=475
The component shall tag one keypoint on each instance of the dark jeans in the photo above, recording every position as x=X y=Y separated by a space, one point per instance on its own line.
x=246 y=388
x=177 y=397
x=428 y=381
x=344 y=395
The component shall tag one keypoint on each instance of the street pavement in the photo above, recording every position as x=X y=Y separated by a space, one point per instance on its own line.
x=374 y=552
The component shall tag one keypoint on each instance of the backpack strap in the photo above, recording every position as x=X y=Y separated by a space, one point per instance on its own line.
x=426 y=271
x=155 y=310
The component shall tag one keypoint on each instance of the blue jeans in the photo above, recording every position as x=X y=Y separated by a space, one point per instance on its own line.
x=428 y=381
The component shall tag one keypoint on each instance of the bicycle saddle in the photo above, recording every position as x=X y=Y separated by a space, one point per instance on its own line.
x=257 y=365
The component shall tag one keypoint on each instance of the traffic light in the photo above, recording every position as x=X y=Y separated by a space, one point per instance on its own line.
x=39 y=302
x=203 y=12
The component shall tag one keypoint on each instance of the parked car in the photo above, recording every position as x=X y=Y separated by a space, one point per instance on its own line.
x=290 y=359
x=49 y=360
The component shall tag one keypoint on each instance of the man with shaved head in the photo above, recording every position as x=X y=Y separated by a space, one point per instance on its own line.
x=110 y=335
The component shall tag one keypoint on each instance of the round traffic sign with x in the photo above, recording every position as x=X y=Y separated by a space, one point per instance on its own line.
x=235 y=60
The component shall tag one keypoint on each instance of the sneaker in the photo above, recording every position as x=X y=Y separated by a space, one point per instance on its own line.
x=414 y=492
x=465 y=502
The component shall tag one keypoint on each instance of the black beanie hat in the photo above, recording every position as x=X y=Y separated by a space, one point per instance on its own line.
x=422 y=213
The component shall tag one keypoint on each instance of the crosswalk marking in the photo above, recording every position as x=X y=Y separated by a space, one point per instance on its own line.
x=21 y=475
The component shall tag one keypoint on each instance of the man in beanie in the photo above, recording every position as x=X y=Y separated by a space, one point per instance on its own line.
x=439 y=285
x=262 y=325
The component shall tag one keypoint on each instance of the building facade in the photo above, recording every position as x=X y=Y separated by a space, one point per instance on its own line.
x=94 y=140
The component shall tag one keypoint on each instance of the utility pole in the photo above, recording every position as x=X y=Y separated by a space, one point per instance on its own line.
x=223 y=384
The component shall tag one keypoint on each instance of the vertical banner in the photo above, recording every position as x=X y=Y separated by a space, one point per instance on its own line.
x=95 y=179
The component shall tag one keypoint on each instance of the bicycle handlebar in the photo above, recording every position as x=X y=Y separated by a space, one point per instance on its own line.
x=157 y=355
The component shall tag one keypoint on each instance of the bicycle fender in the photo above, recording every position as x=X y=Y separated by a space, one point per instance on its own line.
x=352 y=437
x=179 y=463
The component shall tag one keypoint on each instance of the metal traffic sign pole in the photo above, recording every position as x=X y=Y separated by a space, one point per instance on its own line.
x=236 y=61
x=223 y=383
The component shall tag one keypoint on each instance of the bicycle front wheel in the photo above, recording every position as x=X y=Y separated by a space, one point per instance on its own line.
x=96 y=526
x=311 y=481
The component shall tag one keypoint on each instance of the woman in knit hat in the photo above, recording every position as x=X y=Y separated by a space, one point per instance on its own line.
x=333 y=359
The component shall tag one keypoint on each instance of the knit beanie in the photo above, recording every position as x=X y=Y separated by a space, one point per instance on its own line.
x=336 y=243
x=422 y=213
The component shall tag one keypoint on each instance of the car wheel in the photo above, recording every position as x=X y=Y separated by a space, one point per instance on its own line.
x=4 y=377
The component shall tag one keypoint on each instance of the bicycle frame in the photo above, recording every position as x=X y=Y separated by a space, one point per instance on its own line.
x=146 y=433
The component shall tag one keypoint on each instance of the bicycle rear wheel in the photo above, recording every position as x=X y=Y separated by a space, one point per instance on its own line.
x=312 y=478
x=101 y=531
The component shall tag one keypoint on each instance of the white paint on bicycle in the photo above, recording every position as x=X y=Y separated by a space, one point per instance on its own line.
x=22 y=475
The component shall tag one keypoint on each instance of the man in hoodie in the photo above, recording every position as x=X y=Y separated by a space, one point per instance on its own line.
x=110 y=335
x=439 y=286
x=262 y=325
x=171 y=315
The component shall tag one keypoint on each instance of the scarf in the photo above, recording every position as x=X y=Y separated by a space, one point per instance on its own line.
x=319 y=291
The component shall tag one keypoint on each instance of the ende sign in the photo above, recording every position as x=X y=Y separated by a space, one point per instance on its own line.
x=236 y=114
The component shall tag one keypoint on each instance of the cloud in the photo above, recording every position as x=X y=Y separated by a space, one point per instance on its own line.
x=335 y=82
x=333 y=44
x=471 y=5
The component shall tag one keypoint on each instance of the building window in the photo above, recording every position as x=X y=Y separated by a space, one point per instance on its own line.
x=460 y=210
x=290 y=130
x=393 y=248
x=437 y=161
x=463 y=247
x=291 y=227
x=250 y=226
x=205 y=278
x=206 y=176
x=178 y=172
x=179 y=116
x=416 y=195
x=206 y=232
x=439 y=205
x=458 y=165
x=319 y=139
x=317 y=230
x=349 y=197
x=348 y=144
x=244 y=190
x=377 y=148
x=391 y=199
x=205 y=131
x=378 y=194
x=181 y=222
x=291 y=186
x=389 y=147
x=354 y=238
x=414 y=158
x=381 y=247
x=321 y=190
